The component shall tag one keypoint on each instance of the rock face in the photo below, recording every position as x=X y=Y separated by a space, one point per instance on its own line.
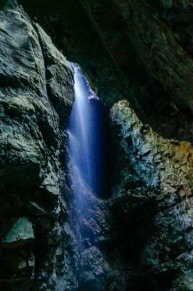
x=36 y=94
x=159 y=203
x=139 y=238
x=138 y=50
x=138 y=55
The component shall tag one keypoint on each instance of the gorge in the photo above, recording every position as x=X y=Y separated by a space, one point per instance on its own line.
x=134 y=232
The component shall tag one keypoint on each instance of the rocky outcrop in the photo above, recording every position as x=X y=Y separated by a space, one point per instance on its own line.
x=138 y=50
x=140 y=237
x=138 y=56
x=36 y=94
x=157 y=206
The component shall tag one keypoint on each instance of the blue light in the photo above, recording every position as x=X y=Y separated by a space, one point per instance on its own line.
x=84 y=137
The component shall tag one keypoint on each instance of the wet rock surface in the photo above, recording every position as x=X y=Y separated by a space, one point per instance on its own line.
x=138 y=50
x=138 y=56
x=164 y=168
x=140 y=238
x=32 y=142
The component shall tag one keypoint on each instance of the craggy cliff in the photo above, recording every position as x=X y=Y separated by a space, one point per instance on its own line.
x=36 y=93
x=138 y=57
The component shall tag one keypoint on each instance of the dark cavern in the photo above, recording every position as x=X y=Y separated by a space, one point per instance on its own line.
x=96 y=145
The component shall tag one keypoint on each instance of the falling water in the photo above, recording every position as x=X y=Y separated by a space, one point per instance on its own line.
x=85 y=138
x=88 y=148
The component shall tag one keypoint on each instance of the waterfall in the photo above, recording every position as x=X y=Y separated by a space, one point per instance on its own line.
x=84 y=138
x=88 y=151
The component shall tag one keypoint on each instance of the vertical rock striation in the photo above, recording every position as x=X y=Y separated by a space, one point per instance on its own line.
x=141 y=237
x=155 y=209
x=36 y=94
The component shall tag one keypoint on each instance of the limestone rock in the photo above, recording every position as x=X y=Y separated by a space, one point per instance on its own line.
x=164 y=200
x=22 y=230
x=139 y=51
x=36 y=94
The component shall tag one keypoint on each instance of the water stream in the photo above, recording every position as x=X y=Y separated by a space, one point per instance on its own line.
x=87 y=139
x=88 y=152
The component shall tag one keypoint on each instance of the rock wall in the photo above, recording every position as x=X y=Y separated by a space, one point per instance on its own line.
x=141 y=237
x=138 y=50
x=36 y=94
x=137 y=54
x=155 y=208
